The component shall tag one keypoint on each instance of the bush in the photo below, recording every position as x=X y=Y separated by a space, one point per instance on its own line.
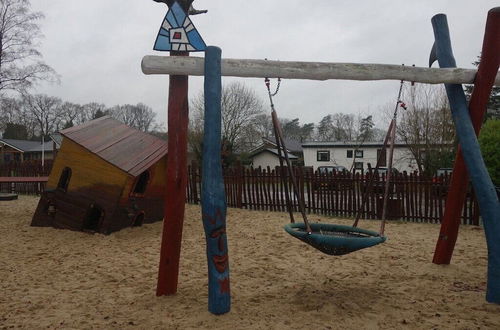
x=489 y=140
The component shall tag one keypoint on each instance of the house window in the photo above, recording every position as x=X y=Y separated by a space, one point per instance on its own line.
x=64 y=179
x=358 y=166
x=382 y=157
x=349 y=153
x=141 y=183
x=323 y=156
x=358 y=154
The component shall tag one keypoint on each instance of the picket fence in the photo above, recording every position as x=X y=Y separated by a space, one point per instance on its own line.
x=413 y=197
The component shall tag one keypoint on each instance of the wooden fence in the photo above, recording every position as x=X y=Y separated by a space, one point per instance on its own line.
x=26 y=168
x=412 y=198
x=28 y=177
x=23 y=185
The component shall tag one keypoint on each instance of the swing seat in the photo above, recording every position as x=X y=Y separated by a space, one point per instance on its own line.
x=335 y=239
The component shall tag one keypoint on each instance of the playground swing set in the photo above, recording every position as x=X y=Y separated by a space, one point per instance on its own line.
x=179 y=36
x=332 y=239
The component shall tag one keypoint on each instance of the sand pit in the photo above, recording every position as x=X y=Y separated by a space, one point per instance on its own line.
x=62 y=279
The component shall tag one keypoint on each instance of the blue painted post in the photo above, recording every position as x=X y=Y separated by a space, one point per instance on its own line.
x=481 y=181
x=213 y=198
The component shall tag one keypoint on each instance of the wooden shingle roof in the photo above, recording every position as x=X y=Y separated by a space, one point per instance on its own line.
x=127 y=148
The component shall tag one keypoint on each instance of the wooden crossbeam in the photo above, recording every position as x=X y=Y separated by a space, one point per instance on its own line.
x=194 y=66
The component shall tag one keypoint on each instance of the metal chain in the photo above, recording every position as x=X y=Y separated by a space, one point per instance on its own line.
x=277 y=88
x=268 y=85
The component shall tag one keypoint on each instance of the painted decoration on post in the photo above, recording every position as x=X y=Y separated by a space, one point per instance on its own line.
x=178 y=33
x=213 y=196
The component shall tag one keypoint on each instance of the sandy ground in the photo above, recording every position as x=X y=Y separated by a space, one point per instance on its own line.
x=53 y=278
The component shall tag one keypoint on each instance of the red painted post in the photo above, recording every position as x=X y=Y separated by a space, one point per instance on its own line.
x=487 y=71
x=178 y=119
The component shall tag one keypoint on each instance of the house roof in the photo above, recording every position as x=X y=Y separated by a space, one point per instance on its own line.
x=368 y=144
x=127 y=148
x=273 y=151
x=57 y=138
x=27 y=146
x=346 y=144
x=291 y=145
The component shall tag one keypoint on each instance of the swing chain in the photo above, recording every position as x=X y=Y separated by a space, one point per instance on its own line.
x=268 y=84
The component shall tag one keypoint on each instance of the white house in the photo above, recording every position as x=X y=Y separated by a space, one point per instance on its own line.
x=266 y=154
x=352 y=155
x=269 y=157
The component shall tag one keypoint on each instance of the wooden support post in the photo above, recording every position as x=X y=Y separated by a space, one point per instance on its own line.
x=178 y=119
x=388 y=177
x=481 y=181
x=487 y=70
x=213 y=199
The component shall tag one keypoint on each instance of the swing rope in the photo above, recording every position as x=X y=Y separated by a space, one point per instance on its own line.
x=389 y=139
x=282 y=150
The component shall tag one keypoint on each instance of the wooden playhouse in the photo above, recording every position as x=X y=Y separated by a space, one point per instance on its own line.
x=106 y=176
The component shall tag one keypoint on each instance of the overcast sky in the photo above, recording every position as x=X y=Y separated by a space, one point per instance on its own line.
x=97 y=46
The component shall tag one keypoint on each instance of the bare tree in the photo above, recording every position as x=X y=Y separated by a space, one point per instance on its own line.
x=20 y=64
x=427 y=128
x=338 y=127
x=45 y=111
x=15 y=111
x=139 y=116
x=9 y=111
x=260 y=126
x=344 y=127
x=240 y=107
x=92 y=110
x=43 y=114
x=70 y=114
x=145 y=120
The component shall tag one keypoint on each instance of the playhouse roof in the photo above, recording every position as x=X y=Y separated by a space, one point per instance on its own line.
x=127 y=148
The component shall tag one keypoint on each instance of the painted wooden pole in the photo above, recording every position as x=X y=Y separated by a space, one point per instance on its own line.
x=194 y=66
x=213 y=197
x=488 y=67
x=481 y=181
x=178 y=119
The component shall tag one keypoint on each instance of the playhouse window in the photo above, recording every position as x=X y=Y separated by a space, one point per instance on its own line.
x=141 y=183
x=64 y=179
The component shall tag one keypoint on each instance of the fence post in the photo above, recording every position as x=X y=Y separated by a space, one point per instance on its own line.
x=195 y=169
x=239 y=185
